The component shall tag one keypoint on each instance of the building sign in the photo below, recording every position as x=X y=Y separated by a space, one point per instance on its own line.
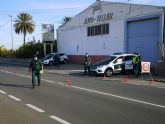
x=97 y=8
x=47 y=32
x=99 y=18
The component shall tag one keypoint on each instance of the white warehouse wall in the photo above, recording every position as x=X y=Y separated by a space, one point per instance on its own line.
x=73 y=39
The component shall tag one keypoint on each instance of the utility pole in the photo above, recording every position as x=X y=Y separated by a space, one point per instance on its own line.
x=11 y=33
x=163 y=45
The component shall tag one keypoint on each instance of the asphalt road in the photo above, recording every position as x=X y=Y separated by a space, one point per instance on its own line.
x=75 y=99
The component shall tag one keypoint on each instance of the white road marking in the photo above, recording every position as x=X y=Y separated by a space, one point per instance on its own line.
x=60 y=83
x=22 y=75
x=161 y=87
x=2 y=92
x=15 y=98
x=59 y=119
x=120 y=97
x=28 y=76
x=35 y=108
x=50 y=81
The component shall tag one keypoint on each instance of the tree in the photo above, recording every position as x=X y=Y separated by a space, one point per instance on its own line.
x=24 y=24
x=66 y=19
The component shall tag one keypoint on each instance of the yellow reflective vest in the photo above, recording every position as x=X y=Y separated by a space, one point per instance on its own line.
x=135 y=59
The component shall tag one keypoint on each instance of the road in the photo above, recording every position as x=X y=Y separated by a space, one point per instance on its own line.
x=75 y=99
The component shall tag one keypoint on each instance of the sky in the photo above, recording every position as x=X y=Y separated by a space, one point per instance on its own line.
x=45 y=12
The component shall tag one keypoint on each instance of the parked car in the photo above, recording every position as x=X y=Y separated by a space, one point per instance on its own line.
x=51 y=58
x=117 y=63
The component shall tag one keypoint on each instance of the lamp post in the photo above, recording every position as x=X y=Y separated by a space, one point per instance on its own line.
x=11 y=33
x=163 y=45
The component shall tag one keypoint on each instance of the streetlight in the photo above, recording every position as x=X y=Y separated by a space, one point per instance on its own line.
x=11 y=34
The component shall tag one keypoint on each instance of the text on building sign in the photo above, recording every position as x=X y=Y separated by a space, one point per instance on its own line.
x=99 y=18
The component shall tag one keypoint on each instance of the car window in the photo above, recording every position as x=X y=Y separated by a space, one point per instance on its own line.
x=61 y=54
x=119 y=60
x=128 y=58
x=106 y=60
x=49 y=56
x=55 y=56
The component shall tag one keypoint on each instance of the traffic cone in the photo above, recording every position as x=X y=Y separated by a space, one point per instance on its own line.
x=152 y=80
x=68 y=82
x=126 y=79
x=104 y=78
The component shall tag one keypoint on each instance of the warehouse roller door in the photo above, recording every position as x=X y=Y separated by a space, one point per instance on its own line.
x=143 y=37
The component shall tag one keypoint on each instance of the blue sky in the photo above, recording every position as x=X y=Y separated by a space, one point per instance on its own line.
x=34 y=7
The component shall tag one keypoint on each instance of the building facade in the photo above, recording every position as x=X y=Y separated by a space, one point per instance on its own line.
x=105 y=28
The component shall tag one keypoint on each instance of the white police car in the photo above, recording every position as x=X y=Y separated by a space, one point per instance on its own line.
x=50 y=59
x=113 y=64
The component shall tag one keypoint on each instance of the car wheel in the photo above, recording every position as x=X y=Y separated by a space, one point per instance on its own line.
x=108 y=72
x=65 y=61
x=50 y=63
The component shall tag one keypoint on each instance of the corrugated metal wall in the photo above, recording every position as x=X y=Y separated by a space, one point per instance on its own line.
x=143 y=37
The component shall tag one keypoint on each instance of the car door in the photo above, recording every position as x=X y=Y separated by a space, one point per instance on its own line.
x=128 y=62
x=118 y=64
x=61 y=55
x=55 y=58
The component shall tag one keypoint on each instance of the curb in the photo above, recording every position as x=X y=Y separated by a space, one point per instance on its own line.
x=159 y=80
x=14 y=63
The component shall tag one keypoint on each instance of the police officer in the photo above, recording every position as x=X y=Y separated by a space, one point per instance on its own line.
x=35 y=67
x=135 y=62
x=87 y=64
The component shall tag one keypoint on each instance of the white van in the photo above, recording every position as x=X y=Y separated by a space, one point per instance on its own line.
x=113 y=64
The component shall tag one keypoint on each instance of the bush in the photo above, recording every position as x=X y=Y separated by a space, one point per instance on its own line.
x=27 y=50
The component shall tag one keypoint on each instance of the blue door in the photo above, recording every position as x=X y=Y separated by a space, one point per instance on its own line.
x=143 y=37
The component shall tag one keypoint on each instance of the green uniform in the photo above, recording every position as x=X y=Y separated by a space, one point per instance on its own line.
x=135 y=62
x=35 y=66
x=87 y=63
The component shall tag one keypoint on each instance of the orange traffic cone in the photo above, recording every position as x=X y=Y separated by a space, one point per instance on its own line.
x=152 y=80
x=104 y=78
x=126 y=79
x=68 y=82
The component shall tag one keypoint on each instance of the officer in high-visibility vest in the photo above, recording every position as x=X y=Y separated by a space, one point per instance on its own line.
x=87 y=64
x=135 y=62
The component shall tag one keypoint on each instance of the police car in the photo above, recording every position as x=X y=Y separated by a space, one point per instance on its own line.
x=113 y=64
x=50 y=58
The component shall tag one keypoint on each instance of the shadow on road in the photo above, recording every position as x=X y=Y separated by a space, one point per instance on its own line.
x=15 y=85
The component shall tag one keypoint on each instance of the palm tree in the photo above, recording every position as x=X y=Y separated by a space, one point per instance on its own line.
x=24 y=24
x=66 y=19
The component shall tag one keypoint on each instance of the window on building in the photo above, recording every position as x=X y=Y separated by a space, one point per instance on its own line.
x=92 y=31
x=98 y=30
x=89 y=31
x=107 y=29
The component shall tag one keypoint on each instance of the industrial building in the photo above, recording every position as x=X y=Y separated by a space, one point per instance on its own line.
x=105 y=28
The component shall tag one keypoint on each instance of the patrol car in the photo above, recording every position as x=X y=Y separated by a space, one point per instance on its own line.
x=113 y=64
x=50 y=58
